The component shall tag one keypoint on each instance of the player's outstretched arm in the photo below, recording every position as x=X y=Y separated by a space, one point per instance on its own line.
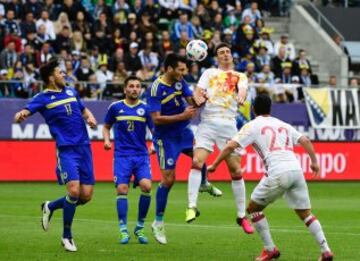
x=106 y=133
x=89 y=118
x=21 y=116
x=230 y=147
x=159 y=119
x=307 y=145
x=199 y=96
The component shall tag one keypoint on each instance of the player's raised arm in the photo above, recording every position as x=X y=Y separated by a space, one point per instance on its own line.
x=307 y=145
x=159 y=119
x=229 y=148
x=89 y=118
x=21 y=115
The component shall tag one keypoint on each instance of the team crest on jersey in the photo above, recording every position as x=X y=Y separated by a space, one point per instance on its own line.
x=52 y=97
x=69 y=92
x=170 y=162
x=178 y=86
x=140 y=111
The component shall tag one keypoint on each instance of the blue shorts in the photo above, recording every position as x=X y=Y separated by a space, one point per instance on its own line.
x=168 y=149
x=75 y=163
x=125 y=167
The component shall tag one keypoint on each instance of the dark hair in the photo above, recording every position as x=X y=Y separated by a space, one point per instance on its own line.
x=221 y=45
x=262 y=104
x=48 y=69
x=131 y=78
x=172 y=60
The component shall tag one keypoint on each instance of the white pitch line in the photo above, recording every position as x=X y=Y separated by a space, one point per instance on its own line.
x=279 y=229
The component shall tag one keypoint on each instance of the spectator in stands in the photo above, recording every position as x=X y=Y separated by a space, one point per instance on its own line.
x=100 y=41
x=305 y=76
x=149 y=58
x=49 y=25
x=265 y=40
x=182 y=25
x=132 y=60
x=52 y=8
x=8 y=56
x=42 y=36
x=11 y=24
x=116 y=58
x=44 y=55
x=289 y=47
x=145 y=73
x=136 y=8
x=194 y=73
x=252 y=12
x=103 y=75
x=188 y=6
x=121 y=72
x=262 y=57
x=286 y=76
x=165 y=45
x=78 y=43
x=266 y=75
x=69 y=72
x=332 y=81
x=231 y=20
x=18 y=87
x=284 y=7
x=80 y=24
x=61 y=22
x=152 y=9
x=228 y=38
x=203 y=14
x=248 y=58
x=17 y=7
x=101 y=8
x=34 y=7
x=93 y=87
x=63 y=40
x=145 y=25
x=102 y=24
x=28 y=25
x=4 y=87
x=354 y=82
x=169 y=8
x=250 y=72
x=113 y=91
x=31 y=76
x=28 y=55
x=301 y=61
x=196 y=27
x=247 y=42
x=71 y=8
x=84 y=71
x=130 y=26
x=214 y=9
x=278 y=60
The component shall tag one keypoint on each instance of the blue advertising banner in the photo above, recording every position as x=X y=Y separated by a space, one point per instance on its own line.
x=35 y=127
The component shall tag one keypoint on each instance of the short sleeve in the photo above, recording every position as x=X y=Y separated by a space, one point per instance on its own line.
x=244 y=137
x=154 y=100
x=294 y=135
x=243 y=82
x=187 y=92
x=203 y=82
x=36 y=104
x=110 y=117
x=80 y=103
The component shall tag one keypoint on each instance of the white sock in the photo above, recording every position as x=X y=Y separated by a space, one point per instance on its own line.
x=315 y=228
x=262 y=227
x=238 y=188
x=194 y=183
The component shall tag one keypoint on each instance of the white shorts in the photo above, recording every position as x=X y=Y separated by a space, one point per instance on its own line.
x=213 y=132
x=291 y=184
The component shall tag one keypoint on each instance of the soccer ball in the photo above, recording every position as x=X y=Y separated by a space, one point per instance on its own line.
x=196 y=50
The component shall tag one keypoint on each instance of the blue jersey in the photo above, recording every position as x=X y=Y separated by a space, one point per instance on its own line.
x=62 y=111
x=169 y=100
x=130 y=123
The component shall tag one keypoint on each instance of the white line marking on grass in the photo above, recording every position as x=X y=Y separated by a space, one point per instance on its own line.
x=278 y=229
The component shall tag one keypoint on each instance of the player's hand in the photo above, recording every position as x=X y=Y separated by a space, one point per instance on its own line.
x=91 y=121
x=189 y=112
x=107 y=145
x=316 y=169
x=200 y=98
x=151 y=149
x=21 y=116
x=211 y=168
x=241 y=97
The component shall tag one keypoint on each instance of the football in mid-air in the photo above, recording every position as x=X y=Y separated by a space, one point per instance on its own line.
x=196 y=50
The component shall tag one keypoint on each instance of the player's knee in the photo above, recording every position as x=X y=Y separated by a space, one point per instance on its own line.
x=145 y=187
x=122 y=189
x=85 y=198
x=197 y=163
x=74 y=190
x=168 y=181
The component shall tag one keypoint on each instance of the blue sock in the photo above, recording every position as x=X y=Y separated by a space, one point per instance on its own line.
x=204 y=175
x=122 y=209
x=144 y=204
x=161 y=201
x=68 y=216
x=56 y=204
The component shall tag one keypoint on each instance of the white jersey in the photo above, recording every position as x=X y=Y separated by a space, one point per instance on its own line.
x=222 y=89
x=273 y=140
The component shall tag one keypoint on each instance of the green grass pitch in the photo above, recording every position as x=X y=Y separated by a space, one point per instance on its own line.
x=213 y=236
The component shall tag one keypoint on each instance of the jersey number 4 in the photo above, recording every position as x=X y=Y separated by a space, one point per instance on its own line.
x=274 y=138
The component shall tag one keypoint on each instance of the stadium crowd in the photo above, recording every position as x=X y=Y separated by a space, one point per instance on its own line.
x=99 y=43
